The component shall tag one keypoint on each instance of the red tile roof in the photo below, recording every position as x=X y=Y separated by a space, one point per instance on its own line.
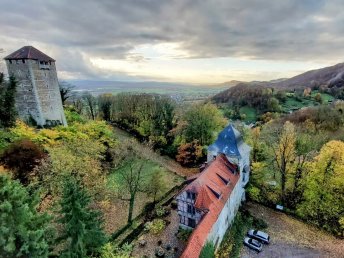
x=208 y=181
x=29 y=52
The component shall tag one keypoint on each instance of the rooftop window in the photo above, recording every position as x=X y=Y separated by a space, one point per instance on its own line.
x=226 y=181
x=217 y=195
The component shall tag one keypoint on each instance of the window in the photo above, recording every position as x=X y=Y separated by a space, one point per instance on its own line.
x=217 y=195
x=193 y=196
x=23 y=60
x=191 y=210
x=190 y=195
x=191 y=223
x=10 y=61
x=41 y=62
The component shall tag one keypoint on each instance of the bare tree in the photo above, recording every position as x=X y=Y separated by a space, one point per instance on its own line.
x=91 y=105
x=66 y=91
x=133 y=177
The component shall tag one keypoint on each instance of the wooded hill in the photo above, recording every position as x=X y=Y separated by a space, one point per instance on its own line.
x=330 y=79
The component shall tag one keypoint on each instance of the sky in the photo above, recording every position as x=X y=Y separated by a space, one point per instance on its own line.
x=189 y=41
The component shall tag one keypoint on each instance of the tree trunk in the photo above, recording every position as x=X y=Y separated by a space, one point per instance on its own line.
x=131 y=207
x=283 y=179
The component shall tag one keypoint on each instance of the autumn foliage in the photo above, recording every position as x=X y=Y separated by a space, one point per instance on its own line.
x=189 y=154
x=21 y=158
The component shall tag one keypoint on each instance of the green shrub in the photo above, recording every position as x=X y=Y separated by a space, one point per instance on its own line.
x=184 y=234
x=156 y=226
x=232 y=241
x=160 y=211
x=259 y=223
x=208 y=251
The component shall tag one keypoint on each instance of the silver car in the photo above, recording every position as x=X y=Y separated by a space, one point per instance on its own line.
x=259 y=235
x=253 y=244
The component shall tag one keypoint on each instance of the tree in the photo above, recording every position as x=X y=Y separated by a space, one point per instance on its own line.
x=202 y=122
x=284 y=154
x=82 y=225
x=23 y=231
x=8 y=113
x=156 y=185
x=305 y=146
x=189 y=154
x=318 y=98
x=105 y=103
x=91 y=105
x=133 y=177
x=22 y=157
x=80 y=158
x=273 y=105
x=324 y=184
x=66 y=91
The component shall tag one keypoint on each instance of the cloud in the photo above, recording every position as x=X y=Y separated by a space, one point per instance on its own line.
x=137 y=31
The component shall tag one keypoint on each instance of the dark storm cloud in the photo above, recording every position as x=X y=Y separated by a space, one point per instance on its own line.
x=306 y=30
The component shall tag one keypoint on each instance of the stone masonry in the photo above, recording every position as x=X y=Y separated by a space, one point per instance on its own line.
x=38 y=96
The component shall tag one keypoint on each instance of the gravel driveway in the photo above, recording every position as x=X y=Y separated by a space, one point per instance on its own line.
x=293 y=238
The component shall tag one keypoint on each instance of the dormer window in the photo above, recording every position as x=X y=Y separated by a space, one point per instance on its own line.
x=217 y=195
x=191 y=195
x=223 y=179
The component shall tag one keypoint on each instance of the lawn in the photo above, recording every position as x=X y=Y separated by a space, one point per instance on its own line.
x=150 y=167
x=116 y=210
x=292 y=103
x=326 y=97
x=250 y=113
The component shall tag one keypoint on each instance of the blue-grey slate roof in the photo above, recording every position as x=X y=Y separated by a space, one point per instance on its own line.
x=230 y=143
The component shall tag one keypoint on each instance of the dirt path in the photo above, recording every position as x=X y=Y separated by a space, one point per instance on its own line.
x=163 y=161
x=293 y=238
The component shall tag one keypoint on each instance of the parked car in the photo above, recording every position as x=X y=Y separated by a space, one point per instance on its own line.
x=259 y=235
x=253 y=244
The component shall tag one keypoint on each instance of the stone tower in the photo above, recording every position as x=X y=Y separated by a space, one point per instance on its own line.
x=38 y=95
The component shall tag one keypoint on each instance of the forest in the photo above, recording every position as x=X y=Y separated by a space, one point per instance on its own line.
x=63 y=189
x=297 y=161
x=58 y=184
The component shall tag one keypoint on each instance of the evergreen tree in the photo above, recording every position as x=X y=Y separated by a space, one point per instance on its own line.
x=82 y=225
x=8 y=111
x=23 y=231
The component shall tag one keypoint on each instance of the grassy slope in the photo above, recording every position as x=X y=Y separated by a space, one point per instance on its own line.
x=250 y=113
x=171 y=179
x=116 y=213
x=293 y=103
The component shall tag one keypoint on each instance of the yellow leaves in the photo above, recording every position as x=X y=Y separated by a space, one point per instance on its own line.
x=258 y=166
x=97 y=131
x=341 y=223
x=330 y=163
x=285 y=153
x=22 y=130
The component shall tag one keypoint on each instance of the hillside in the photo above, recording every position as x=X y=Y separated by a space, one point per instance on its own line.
x=328 y=77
